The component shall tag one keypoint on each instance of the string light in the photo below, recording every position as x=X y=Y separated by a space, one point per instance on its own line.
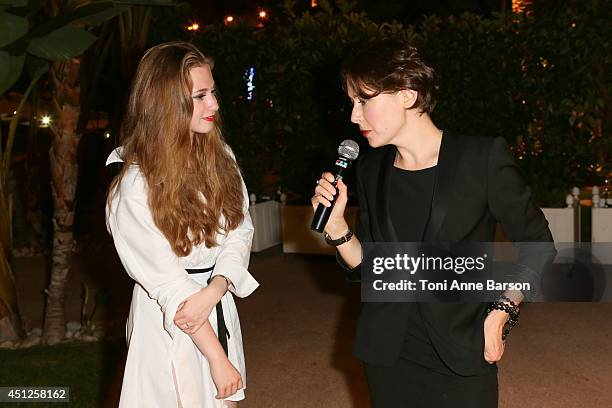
x=229 y=19
x=263 y=14
x=45 y=121
x=193 y=27
x=520 y=6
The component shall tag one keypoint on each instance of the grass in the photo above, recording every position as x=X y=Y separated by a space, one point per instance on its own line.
x=88 y=369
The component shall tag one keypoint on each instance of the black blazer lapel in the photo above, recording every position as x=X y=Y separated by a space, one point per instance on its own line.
x=383 y=191
x=443 y=188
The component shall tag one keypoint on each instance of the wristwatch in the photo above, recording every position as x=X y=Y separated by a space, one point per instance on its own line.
x=335 y=242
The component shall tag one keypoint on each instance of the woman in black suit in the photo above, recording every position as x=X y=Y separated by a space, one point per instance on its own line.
x=423 y=184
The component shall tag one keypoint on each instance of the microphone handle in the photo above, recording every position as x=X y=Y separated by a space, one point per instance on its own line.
x=322 y=216
x=322 y=212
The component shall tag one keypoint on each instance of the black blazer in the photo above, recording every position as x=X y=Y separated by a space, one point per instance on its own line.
x=478 y=184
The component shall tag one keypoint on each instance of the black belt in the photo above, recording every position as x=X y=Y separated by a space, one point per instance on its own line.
x=222 y=332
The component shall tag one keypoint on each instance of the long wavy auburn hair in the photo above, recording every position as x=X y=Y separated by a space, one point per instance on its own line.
x=194 y=184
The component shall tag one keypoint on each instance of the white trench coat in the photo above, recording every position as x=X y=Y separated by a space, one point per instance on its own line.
x=155 y=343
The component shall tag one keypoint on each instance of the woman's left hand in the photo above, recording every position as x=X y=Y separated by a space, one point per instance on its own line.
x=194 y=311
x=493 y=329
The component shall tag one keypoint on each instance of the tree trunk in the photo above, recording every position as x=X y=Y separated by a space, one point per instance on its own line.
x=64 y=171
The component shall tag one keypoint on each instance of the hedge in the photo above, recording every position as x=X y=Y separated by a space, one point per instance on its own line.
x=543 y=82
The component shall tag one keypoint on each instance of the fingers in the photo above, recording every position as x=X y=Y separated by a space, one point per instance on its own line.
x=342 y=188
x=230 y=388
x=319 y=199
x=495 y=353
x=322 y=197
x=328 y=176
x=187 y=326
x=325 y=190
x=183 y=316
x=195 y=327
x=327 y=182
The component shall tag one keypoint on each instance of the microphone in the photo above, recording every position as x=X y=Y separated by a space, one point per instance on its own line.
x=347 y=152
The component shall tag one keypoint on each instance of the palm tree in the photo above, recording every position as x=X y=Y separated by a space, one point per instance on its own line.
x=55 y=38
x=61 y=39
x=64 y=80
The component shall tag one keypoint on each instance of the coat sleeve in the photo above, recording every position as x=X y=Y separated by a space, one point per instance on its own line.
x=148 y=258
x=511 y=203
x=233 y=257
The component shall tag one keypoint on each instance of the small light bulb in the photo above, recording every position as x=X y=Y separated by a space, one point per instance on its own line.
x=229 y=19
x=263 y=14
x=193 y=27
x=45 y=120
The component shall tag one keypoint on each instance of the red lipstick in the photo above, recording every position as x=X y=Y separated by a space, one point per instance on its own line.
x=209 y=118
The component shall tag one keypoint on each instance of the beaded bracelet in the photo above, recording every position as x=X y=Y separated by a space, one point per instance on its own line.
x=507 y=299
x=511 y=309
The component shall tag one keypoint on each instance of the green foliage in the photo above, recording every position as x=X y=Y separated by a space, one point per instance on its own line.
x=541 y=82
x=24 y=33
x=63 y=43
x=12 y=28
x=10 y=68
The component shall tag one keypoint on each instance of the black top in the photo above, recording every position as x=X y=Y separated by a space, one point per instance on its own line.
x=409 y=206
x=411 y=193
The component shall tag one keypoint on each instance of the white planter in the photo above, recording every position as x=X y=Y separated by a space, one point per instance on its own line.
x=601 y=232
x=266 y=218
x=601 y=227
x=563 y=223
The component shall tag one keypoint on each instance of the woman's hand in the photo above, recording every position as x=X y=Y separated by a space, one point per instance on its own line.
x=194 y=311
x=225 y=376
x=493 y=329
x=324 y=192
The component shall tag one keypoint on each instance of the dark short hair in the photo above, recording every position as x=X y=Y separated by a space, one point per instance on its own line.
x=389 y=66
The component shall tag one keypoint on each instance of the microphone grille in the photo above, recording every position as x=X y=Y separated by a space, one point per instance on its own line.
x=349 y=149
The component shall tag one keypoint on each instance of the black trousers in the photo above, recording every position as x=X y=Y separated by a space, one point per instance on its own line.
x=410 y=385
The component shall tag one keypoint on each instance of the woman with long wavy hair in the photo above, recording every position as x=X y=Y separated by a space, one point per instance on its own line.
x=178 y=214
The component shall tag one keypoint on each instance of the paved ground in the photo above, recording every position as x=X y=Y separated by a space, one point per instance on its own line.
x=298 y=329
